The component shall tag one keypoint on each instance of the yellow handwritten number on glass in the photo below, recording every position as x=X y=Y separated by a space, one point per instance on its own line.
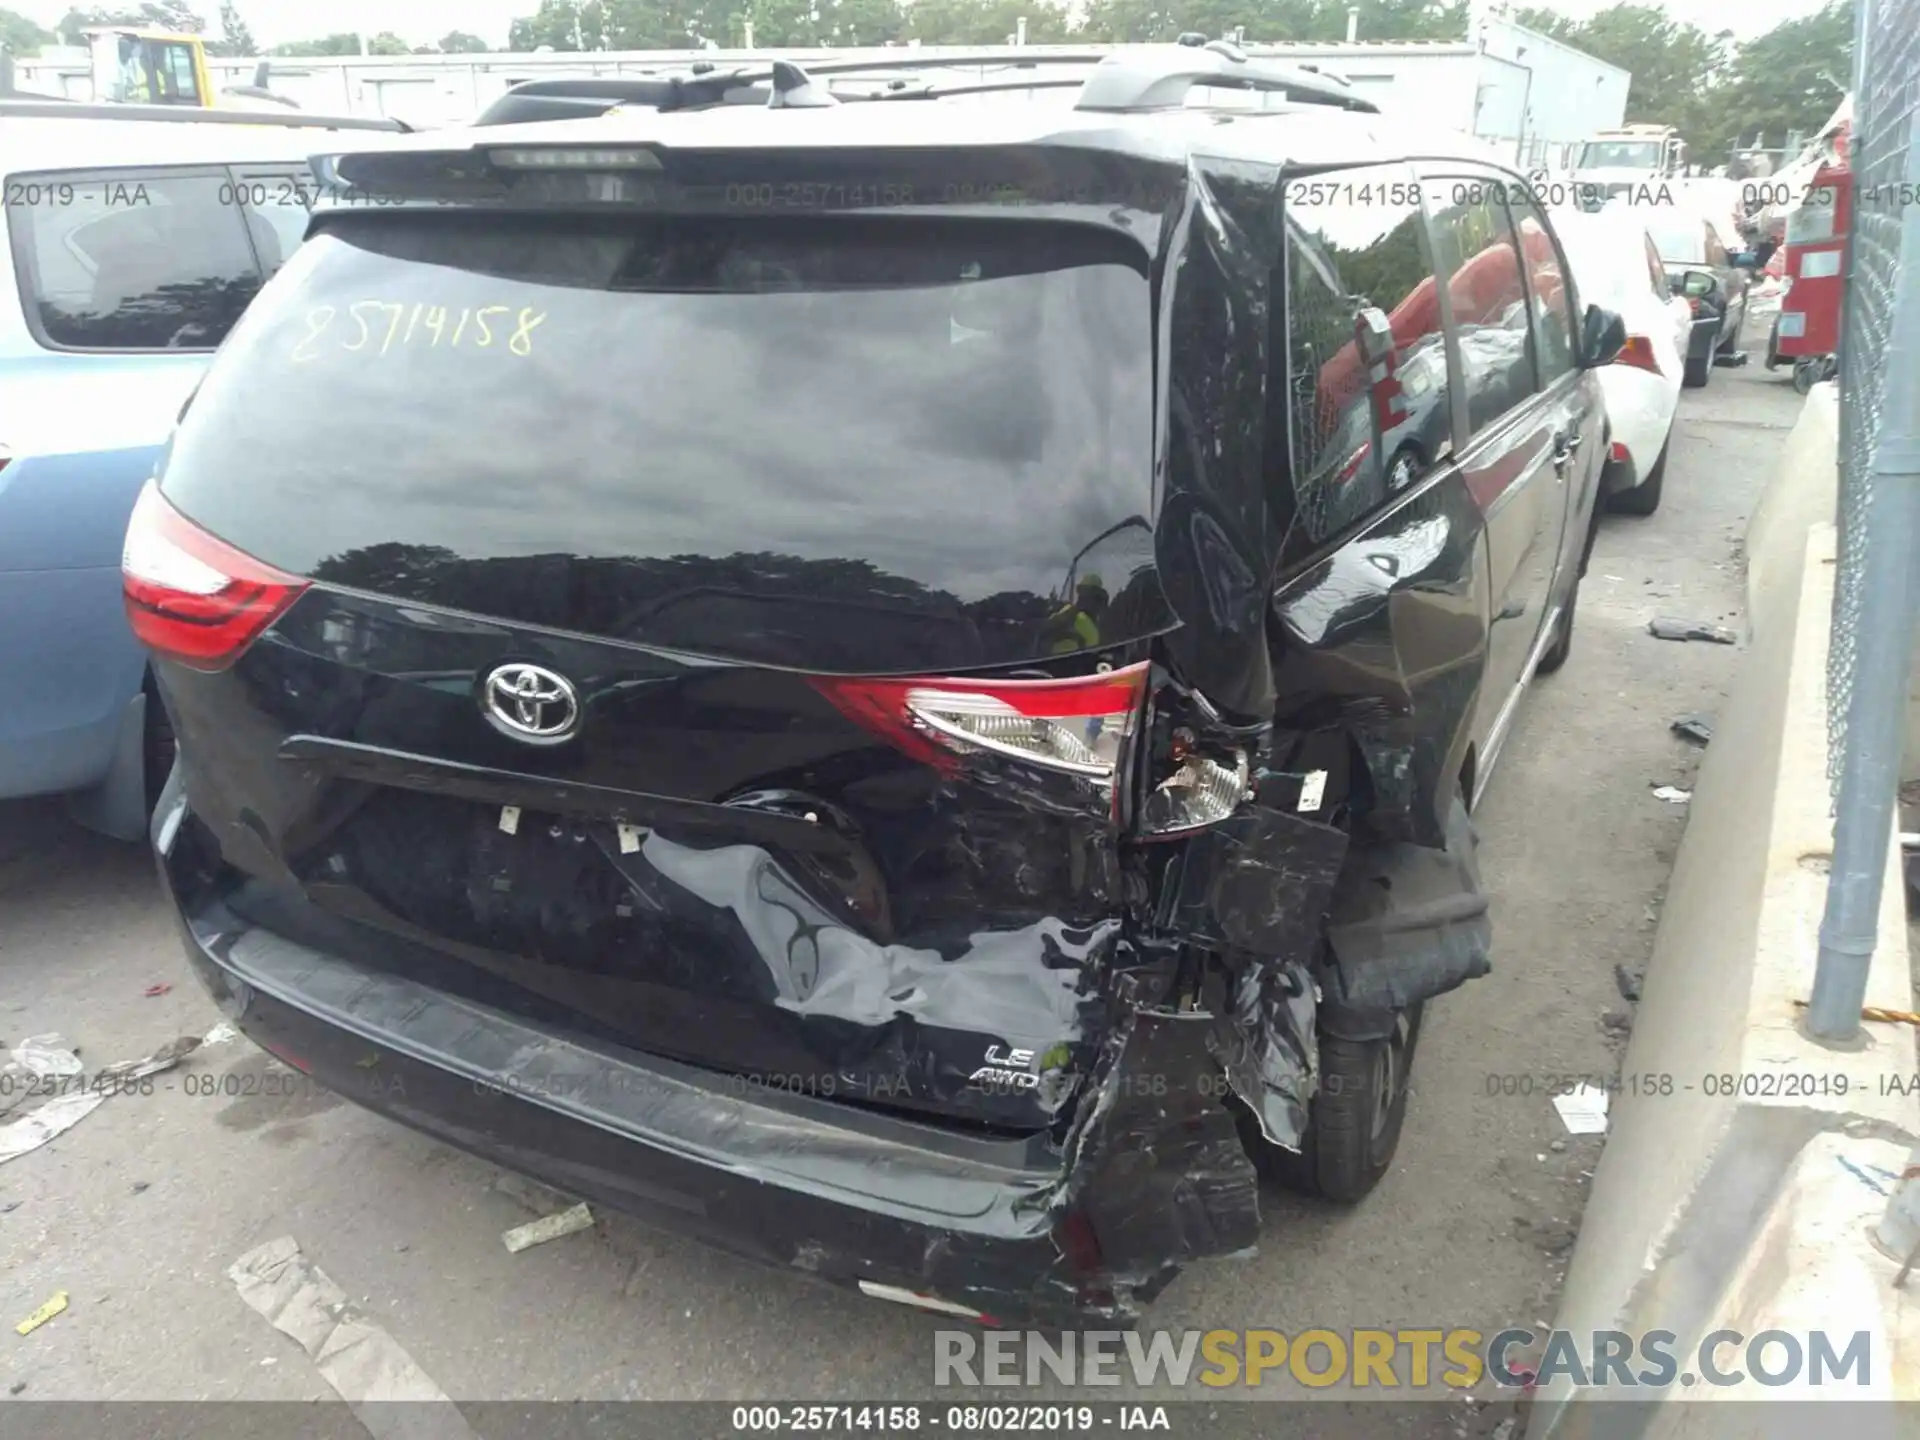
x=522 y=342
x=317 y=321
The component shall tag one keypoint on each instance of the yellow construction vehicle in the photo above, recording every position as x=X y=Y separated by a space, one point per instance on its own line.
x=166 y=67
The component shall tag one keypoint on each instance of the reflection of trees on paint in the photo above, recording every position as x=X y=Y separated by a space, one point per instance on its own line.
x=769 y=607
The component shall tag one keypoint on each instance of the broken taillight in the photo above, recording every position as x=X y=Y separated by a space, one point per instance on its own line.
x=1077 y=726
x=192 y=597
x=1203 y=791
x=1638 y=352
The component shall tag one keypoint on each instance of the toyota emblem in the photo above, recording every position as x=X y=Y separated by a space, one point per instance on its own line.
x=531 y=703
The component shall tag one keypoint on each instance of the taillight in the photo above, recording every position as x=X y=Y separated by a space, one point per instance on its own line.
x=191 y=597
x=1617 y=452
x=1078 y=726
x=1638 y=352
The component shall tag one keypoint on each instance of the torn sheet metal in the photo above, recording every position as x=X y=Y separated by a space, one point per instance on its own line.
x=1259 y=881
x=1156 y=1166
x=1267 y=1048
x=1409 y=923
x=360 y=1360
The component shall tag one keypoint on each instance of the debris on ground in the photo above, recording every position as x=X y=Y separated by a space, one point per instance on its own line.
x=538 y=1232
x=140 y=1187
x=1668 y=628
x=1879 y=1014
x=220 y=1034
x=364 y=1364
x=1583 y=1110
x=1672 y=794
x=1626 y=982
x=154 y=992
x=1696 y=728
x=41 y=1316
x=165 y=1058
x=46 y=1056
x=1616 y=1022
x=16 y=1387
x=51 y=1120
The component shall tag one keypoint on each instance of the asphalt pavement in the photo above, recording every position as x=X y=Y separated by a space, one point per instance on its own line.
x=138 y=1211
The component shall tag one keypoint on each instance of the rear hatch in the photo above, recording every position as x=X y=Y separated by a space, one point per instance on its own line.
x=714 y=636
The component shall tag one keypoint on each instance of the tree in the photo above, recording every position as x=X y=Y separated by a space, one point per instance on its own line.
x=459 y=42
x=1677 y=68
x=1790 y=78
x=340 y=43
x=155 y=14
x=1549 y=22
x=21 y=36
x=985 y=22
x=388 y=43
x=235 y=37
x=561 y=25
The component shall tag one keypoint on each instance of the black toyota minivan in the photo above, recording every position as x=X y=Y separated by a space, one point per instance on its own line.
x=896 y=686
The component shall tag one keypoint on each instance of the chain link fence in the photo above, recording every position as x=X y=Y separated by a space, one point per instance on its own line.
x=1888 y=69
x=1879 y=501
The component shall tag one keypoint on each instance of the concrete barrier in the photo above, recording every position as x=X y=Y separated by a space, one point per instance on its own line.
x=1744 y=1161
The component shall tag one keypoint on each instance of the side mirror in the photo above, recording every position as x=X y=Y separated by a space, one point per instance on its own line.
x=1695 y=284
x=1603 y=334
x=1745 y=260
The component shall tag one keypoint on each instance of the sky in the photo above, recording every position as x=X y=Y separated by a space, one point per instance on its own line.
x=422 y=21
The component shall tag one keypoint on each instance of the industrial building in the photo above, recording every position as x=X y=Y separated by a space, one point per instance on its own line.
x=1531 y=97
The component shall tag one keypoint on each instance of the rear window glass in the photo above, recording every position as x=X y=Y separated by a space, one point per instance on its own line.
x=704 y=427
x=1679 y=237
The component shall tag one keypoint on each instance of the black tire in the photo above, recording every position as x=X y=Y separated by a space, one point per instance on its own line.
x=1698 y=372
x=1556 y=653
x=1354 y=1122
x=1644 y=498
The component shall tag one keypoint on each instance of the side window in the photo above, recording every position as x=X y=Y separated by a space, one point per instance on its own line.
x=1657 y=271
x=178 y=85
x=1367 y=401
x=1479 y=262
x=1550 y=292
x=131 y=260
x=1715 y=252
x=274 y=204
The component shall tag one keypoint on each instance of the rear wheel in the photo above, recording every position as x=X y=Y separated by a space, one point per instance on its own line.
x=1698 y=372
x=1644 y=498
x=1556 y=653
x=1357 y=1113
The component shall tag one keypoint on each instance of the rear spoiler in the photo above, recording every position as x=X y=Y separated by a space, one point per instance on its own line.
x=49 y=108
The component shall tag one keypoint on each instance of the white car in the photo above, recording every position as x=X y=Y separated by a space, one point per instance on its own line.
x=1616 y=264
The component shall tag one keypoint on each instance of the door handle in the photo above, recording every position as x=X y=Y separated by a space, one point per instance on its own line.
x=1564 y=449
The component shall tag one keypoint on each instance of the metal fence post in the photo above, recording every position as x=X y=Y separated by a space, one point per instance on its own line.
x=1873 y=621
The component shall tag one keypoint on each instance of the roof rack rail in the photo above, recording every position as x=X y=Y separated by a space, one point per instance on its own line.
x=701 y=84
x=1158 y=77
x=901 y=90
x=23 y=107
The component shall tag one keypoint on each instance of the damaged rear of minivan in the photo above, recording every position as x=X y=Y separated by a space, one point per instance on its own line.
x=737 y=683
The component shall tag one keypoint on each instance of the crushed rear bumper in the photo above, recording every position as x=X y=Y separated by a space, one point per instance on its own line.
x=1081 y=1229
